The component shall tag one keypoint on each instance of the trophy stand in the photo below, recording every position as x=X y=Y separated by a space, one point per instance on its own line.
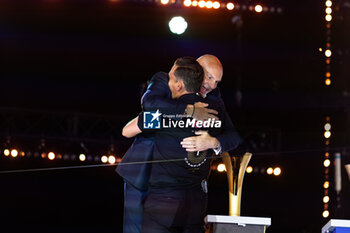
x=234 y=223
x=337 y=226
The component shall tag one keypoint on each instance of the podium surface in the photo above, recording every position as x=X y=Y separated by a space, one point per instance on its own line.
x=337 y=226
x=237 y=224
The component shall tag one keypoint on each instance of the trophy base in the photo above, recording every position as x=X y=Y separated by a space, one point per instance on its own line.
x=236 y=224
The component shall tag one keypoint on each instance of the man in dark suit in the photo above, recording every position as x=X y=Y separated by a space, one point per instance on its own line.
x=157 y=95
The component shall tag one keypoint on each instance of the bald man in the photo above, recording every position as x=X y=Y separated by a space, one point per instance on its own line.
x=158 y=96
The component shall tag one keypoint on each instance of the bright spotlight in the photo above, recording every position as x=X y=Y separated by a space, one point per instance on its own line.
x=277 y=171
x=51 y=156
x=178 y=25
x=164 y=2
x=328 y=10
x=14 y=153
x=194 y=3
x=6 y=152
x=221 y=167
x=111 y=159
x=325 y=199
x=209 y=4
x=328 y=53
x=328 y=18
x=327 y=82
x=327 y=134
x=249 y=169
x=216 y=5
x=258 y=8
x=326 y=163
x=328 y=74
x=328 y=3
x=326 y=184
x=325 y=214
x=230 y=6
x=201 y=4
x=82 y=157
x=269 y=171
x=187 y=3
x=104 y=159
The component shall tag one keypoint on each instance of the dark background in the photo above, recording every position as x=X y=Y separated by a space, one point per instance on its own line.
x=72 y=72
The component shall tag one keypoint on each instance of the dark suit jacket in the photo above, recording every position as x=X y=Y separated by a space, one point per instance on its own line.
x=158 y=96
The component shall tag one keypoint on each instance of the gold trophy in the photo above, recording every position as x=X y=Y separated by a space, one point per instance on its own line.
x=235 y=168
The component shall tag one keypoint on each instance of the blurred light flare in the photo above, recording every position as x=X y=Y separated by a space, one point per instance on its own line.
x=221 y=167
x=258 y=8
x=209 y=4
x=326 y=184
x=104 y=159
x=326 y=163
x=329 y=3
x=187 y=3
x=249 y=169
x=201 y=4
x=178 y=25
x=230 y=6
x=111 y=159
x=82 y=157
x=6 y=152
x=14 y=153
x=51 y=156
x=269 y=171
x=277 y=171
x=325 y=199
x=328 y=18
x=216 y=5
x=325 y=214
x=327 y=134
x=164 y=2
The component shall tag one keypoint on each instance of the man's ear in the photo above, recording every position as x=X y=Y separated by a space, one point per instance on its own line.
x=180 y=86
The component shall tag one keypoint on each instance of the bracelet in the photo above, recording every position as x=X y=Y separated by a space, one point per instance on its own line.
x=194 y=108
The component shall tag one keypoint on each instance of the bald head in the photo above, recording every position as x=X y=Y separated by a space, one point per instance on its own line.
x=212 y=73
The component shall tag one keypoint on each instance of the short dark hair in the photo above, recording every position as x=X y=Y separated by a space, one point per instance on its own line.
x=190 y=72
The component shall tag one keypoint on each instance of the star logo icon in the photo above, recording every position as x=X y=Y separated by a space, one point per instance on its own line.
x=156 y=115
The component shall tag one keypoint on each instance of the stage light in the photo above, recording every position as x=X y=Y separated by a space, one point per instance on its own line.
x=187 y=3
x=221 y=167
x=82 y=157
x=327 y=126
x=327 y=134
x=326 y=163
x=178 y=25
x=328 y=61
x=326 y=154
x=216 y=5
x=326 y=184
x=201 y=4
x=164 y=2
x=328 y=74
x=327 y=82
x=328 y=10
x=111 y=159
x=325 y=199
x=328 y=3
x=230 y=6
x=269 y=171
x=328 y=53
x=209 y=4
x=6 y=152
x=277 y=171
x=194 y=3
x=328 y=18
x=14 y=153
x=320 y=49
x=249 y=169
x=104 y=159
x=51 y=156
x=258 y=8
x=325 y=214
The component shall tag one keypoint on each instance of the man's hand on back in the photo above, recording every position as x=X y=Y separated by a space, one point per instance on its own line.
x=199 y=143
x=199 y=111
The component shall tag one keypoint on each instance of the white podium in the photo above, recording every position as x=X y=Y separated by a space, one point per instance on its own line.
x=337 y=226
x=236 y=224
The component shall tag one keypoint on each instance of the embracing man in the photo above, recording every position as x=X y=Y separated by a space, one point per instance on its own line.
x=159 y=96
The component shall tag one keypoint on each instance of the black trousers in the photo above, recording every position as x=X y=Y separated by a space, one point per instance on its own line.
x=174 y=211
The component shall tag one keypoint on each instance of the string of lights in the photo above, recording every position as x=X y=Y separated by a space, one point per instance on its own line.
x=327 y=126
x=216 y=5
